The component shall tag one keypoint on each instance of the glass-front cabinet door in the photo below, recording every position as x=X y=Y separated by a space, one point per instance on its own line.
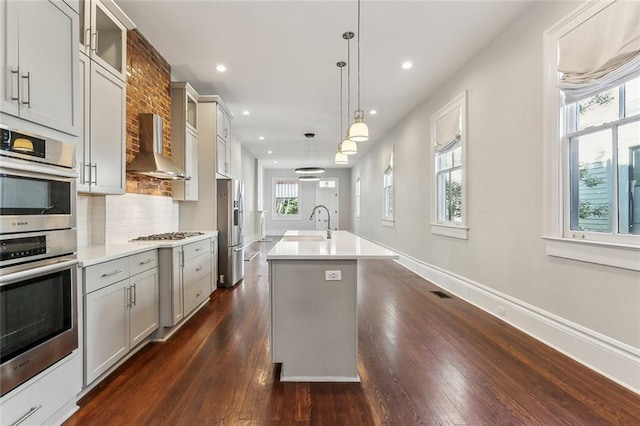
x=103 y=37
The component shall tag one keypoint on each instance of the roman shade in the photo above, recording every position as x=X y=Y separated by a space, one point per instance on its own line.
x=286 y=189
x=448 y=131
x=601 y=53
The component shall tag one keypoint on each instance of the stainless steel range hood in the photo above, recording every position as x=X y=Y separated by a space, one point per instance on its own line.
x=149 y=161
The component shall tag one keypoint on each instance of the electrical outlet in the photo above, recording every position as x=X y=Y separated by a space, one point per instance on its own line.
x=502 y=311
x=333 y=275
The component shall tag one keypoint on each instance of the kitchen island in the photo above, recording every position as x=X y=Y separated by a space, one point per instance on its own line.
x=313 y=294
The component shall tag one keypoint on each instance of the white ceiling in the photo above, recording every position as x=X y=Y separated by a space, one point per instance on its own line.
x=281 y=61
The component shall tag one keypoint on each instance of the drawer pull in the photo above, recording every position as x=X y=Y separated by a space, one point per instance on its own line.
x=199 y=268
x=199 y=293
x=108 y=274
x=199 y=248
x=26 y=415
x=145 y=262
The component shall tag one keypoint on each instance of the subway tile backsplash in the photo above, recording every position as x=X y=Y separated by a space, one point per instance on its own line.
x=113 y=219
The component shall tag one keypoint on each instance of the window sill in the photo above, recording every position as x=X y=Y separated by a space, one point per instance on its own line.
x=286 y=218
x=388 y=222
x=610 y=254
x=452 y=231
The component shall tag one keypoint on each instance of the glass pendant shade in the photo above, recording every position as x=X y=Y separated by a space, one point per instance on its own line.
x=349 y=147
x=341 y=158
x=358 y=132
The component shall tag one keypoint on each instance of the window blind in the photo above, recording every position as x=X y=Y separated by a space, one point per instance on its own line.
x=286 y=189
x=601 y=53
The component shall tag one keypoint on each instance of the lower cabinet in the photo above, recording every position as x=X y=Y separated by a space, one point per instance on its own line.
x=118 y=315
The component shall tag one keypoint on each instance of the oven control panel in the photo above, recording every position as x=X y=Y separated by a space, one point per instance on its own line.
x=33 y=148
x=16 y=248
x=29 y=247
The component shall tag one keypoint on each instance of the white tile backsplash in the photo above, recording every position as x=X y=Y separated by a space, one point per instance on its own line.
x=119 y=218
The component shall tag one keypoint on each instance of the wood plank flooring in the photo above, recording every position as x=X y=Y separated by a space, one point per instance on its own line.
x=422 y=360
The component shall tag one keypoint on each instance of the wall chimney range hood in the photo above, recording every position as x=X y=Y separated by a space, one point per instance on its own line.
x=149 y=161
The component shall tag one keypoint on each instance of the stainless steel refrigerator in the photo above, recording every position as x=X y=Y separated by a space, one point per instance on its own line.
x=230 y=235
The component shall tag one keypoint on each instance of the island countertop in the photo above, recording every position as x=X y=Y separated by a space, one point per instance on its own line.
x=298 y=245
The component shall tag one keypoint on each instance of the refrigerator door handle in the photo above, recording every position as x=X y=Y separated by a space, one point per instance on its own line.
x=237 y=249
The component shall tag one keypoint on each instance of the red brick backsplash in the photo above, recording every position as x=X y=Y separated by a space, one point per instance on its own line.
x=148 y=91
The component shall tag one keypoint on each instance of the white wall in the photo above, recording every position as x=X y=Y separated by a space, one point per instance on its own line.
x=504 y=254
x=249 y=177
x=307 y=200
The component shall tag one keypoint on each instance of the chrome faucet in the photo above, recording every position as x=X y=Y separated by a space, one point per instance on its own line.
x=328 y=217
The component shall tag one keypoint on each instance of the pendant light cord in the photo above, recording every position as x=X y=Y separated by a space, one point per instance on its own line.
x=348 y=75
x=358 y=55
x=341 y=101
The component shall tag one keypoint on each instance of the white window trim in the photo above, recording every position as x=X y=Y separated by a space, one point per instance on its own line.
x=600 y=252
x=450 y=229
x=358 y=197
x=274 y=215
x=389 y=221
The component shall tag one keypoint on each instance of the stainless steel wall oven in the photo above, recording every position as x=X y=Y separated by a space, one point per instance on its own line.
x=38 y=265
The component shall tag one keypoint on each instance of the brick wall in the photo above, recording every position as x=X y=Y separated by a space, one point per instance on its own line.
x=148 y=91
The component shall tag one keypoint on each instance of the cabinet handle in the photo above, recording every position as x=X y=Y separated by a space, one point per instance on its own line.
x=26 y=415
x=135 y=296
x=94 y=175
x=182 y=258
x=145 y=262
x=84 y=177
x=87 y=37
x=199 y=248
x=17 y=85
x=28 y=78
x=94 y=41
x=199 y=269
x=108 y=274
x=129 y=297
x=199 y=293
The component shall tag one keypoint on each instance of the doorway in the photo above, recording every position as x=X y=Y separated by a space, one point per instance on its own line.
x=327 y=193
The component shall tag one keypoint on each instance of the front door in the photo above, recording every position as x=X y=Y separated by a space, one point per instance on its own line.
x=327 y=193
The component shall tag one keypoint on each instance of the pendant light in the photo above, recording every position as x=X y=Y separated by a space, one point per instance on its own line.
x=348 y=147
x=340 y=157
x=309 y=178
x=358 y=132
x=309 y=170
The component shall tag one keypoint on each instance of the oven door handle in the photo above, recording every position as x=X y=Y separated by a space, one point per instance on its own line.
x=37 y=272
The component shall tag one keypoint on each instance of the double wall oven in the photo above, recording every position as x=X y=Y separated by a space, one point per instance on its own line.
x=38 y=246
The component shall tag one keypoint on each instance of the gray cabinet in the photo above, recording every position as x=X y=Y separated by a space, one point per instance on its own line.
x=103 y=37
x=184 y=139
x=121 y=309
x=100 y=155
x=39 y=63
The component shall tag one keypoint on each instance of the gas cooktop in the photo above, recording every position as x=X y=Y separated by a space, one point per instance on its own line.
x=169 y=236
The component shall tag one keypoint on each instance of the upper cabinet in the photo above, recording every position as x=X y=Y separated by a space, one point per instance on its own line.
x=223 y=141
x=40 y=63
x=103 y=37
x=184 y=139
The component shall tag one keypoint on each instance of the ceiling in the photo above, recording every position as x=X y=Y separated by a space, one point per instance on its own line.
x=281 y=62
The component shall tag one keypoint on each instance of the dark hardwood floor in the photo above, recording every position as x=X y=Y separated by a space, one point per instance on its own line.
x=422 y=360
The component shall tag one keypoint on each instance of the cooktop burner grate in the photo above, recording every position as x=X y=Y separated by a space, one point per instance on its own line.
x=169 y=236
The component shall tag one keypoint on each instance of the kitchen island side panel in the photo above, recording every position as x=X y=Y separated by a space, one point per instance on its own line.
x=314 y=329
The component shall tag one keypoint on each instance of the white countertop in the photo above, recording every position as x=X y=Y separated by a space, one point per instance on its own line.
x=92 y=255
x=297 y=245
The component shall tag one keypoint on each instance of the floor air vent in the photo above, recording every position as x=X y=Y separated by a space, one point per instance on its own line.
x=441 y=294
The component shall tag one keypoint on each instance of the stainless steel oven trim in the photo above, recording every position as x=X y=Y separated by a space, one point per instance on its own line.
x=30 y=363
x=60 y=242
x=61 y=154
x=20 y=223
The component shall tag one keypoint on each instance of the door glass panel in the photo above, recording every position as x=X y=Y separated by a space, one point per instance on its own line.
x=30 y=196
x=109 y=40
x=33 y=312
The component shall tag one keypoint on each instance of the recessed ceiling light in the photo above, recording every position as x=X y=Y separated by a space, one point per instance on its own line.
x=269 y=152
x=221 y=68
x=373 y=112
x=407 y=65
x=275 y=161
x=261 y=138
x=245 y=112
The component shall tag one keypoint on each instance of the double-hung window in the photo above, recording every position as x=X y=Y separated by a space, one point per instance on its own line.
x=592 y=135
x=285 y=198
x=387 y=186
x=448 y=135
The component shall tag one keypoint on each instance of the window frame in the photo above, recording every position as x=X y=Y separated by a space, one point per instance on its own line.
x=358 y=197
x=445 y=228
x=388 y=218
x=582 y=246
x=274 y=214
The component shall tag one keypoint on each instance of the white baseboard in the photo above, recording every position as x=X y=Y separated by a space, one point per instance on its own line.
x=613 y=359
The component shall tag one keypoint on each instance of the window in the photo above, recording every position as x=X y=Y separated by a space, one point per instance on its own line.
x=592 y=136
x=358 y=196
x=285 y=198
x=387 y=216
x=448 y=135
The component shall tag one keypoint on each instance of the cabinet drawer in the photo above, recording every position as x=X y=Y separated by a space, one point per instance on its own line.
x=196 y=268
x=45 y=394
x=103 y=274
x=196 y=292
x=143 y=261
x=196 y=249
